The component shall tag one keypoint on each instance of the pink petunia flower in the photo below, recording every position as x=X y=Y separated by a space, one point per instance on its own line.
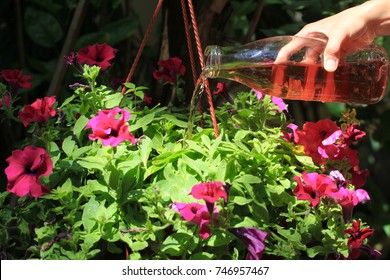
x=170 y=69
x=98 y=54
x=209 y=191
x=221 y=89
x=39 y=111
x=254 y=240
x=15 y=78
x=110 y=127
x=71 y=58
x=279 y=102
x=313 y=186
x=348 y=199
x=197 y=214
x=289 y=135
x=25 y=169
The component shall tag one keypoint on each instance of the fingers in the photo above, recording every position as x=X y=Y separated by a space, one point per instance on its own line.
x=334 y=50
x=310 y=49
x=331 y=56
x=288 y=50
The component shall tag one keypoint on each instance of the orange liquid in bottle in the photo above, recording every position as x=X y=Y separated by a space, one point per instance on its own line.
x=353 y=83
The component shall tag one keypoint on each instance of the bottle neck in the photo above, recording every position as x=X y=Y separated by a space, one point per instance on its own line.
x=212 y=61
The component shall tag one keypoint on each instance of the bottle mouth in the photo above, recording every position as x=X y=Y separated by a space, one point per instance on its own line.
x=212 y=61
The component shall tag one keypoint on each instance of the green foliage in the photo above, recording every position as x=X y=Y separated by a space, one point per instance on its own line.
x=115 y=202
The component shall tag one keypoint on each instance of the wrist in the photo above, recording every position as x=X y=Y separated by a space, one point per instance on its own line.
x=377 y=16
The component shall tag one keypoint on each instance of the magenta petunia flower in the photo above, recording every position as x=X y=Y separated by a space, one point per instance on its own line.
x=348 y=199
x=254 y=240
x=209 y=191
x=279 y=102
x=98 y=54
x=39 y=111
x=221 y=89
x=197 y=214
x=289 y=134
x=15 y=78
x=170 y=69
x=71 y=58
x=25 y=169
x=110 y=127
x=313 y=186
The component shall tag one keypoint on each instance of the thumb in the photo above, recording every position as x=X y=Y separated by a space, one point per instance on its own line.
x=331 y=56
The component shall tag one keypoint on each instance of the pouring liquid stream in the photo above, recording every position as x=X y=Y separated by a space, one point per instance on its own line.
x=196 y=96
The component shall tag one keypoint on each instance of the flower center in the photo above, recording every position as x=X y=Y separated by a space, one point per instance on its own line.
x=28 y=170
x=114 y=133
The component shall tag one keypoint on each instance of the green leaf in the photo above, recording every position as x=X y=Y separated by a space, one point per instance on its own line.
x=89 y=240
x=197 y=165
x=42 y=27
x=248 y=179
x=240 y=200
x=139 y=245
x=131 y=161
x=145 y=148
x=314 y=251
x=55 y=153
x=89 y=214
x=202 y=256
x=306 y=160
x=78 y=152
x=68 y=145
x=290 y=234
x=93 y=162
x=173 y=119
x=79 y=126
x=241 y=134
x=93 y=186
x=214 y=146
x=113 y=100
x=246 y=222
x=176 y=243
x=142 y=122
x=219 y=239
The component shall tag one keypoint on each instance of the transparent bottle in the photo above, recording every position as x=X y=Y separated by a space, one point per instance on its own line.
x=291 y=67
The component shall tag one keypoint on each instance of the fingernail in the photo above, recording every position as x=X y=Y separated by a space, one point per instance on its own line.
x=330 y=65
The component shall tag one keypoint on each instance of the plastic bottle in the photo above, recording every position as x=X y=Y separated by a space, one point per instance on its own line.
x=291 y=67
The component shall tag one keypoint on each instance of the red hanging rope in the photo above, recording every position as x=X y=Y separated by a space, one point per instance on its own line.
x=143 y=43
x=191 y=53
x=189 y=41
x=201 y=59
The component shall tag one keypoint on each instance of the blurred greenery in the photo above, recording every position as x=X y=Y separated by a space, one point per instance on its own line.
x=34 y=34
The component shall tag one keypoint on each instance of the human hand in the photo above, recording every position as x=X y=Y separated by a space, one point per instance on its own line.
x=345 y=32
